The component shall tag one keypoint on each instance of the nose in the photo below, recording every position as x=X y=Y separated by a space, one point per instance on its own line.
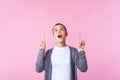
x=59 y=31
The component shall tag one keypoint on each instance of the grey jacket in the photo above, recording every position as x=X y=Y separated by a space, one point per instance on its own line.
x=77 y=59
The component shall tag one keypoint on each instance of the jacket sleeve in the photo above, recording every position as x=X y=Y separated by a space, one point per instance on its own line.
x=40 y=63
x=81 y=61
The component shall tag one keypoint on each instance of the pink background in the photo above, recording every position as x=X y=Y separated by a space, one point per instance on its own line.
x=23 y=23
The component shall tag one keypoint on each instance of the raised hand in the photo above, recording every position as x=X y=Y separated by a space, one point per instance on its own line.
x=81 y=43
x=42 y=44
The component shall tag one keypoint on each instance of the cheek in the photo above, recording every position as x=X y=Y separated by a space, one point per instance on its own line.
x=65 y=34
x=55 y=35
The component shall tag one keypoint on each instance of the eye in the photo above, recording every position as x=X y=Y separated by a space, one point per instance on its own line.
x=55 y=30
x=62 y=29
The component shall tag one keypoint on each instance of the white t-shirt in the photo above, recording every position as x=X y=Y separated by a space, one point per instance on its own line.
x=60 y=63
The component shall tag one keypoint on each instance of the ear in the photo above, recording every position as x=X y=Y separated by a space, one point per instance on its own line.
x=66 y=34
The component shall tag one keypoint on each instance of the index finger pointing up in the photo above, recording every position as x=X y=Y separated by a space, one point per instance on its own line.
x=44 y=37
x=79 y=38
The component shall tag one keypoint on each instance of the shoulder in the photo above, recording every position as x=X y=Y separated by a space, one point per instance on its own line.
x=72 y=48
x=49 y=51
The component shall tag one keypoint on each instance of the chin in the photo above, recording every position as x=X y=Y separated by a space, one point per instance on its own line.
x=61 y=41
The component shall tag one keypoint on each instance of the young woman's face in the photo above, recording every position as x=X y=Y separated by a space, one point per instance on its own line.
x=59 y=33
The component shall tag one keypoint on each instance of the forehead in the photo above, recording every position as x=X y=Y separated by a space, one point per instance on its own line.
x=58 y=26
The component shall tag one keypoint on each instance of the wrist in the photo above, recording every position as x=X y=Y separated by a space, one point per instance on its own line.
x=80 y=49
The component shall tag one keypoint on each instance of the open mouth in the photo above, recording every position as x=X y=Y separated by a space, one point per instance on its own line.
x=59 y=36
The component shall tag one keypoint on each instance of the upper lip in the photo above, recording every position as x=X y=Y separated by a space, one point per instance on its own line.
x=59 y=35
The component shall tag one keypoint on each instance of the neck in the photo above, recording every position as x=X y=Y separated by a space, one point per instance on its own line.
x=61 y=44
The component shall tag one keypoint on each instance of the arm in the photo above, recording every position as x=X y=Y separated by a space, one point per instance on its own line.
x=81 y=61
x=40 y=63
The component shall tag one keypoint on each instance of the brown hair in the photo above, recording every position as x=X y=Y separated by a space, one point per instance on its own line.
x=61 y=25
